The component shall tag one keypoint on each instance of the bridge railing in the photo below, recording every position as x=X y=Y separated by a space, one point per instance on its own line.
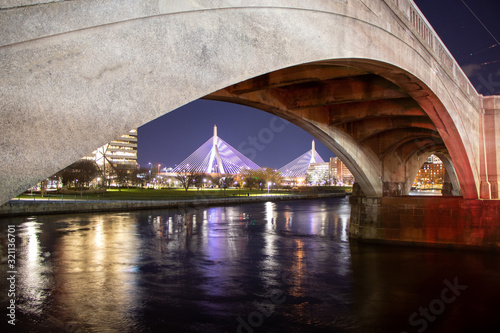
x=431 y=38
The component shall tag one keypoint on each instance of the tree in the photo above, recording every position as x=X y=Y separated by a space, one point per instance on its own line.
x=198 y=179
x=260 y=177
x=143 y=176
x=226 y=182
x=43 y=187
x=252 y=178
x=134 y=178
x=187 y=178
x=80 y=173
x=274 y=177
x=223 y=181
x=122 y=177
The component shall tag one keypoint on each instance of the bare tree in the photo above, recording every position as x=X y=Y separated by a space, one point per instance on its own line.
x=226 y=182
x=80 y=173
x=134 y=178
x=122 y=177
x=198 y=180
x=187 y=178
x=43 y=187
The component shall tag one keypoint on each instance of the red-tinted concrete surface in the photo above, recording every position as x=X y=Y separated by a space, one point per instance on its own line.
x=431 y=221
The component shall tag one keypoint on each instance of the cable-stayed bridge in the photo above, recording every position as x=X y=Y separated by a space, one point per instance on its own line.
x=215 y=156
x=299 y=166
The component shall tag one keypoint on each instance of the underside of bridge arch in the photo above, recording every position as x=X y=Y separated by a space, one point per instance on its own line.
x=375 y=125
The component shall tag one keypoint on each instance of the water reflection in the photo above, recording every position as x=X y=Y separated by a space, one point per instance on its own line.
x=199 y=269
x=96 y=272
x=34 y=284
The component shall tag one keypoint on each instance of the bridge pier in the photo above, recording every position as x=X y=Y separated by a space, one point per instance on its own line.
x=426 y=221
x=394 y=188
x=490 y=147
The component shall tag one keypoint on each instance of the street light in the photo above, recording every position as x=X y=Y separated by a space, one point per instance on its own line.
x=268 y=184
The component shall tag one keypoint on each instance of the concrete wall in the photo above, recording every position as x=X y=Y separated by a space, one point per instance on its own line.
x=430 y=221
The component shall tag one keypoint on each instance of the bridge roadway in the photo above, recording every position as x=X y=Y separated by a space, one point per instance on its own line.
x=370 y=79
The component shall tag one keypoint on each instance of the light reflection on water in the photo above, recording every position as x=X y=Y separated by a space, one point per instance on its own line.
x=35 y=284
x=199 y=269
x=94 y=263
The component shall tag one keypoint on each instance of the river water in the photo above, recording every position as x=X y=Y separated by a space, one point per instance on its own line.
x=263 y=267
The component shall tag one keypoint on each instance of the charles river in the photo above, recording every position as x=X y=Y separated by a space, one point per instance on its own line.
x=260 y=267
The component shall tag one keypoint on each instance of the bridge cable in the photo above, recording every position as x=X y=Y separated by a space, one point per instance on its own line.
x=496 y=40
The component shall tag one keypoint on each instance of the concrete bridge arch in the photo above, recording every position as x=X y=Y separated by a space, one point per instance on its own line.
x=71 y=84
x=380 y=132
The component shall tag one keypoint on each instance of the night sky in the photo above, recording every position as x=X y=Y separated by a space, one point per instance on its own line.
x=171 y=138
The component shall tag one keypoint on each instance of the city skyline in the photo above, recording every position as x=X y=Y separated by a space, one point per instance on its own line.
x=473 y=41
x=262 y=134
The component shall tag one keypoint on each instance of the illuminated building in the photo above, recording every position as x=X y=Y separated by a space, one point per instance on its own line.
x=333 y=172
x=339 y=173
x=318 y=174
x=310 y=169
x=120 y=153
x=431 y=175
x=295 y=171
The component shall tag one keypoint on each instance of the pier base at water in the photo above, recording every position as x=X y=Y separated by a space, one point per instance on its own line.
x=426 y=221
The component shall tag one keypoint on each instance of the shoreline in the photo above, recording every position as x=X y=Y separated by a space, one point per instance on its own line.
x=15 y=208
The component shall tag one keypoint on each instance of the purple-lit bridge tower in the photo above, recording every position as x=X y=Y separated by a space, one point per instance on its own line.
x=216 y=156
x=299 y=166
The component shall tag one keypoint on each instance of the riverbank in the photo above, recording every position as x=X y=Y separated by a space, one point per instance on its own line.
x=43 y=207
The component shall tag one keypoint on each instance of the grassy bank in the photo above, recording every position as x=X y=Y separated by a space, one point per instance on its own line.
x=162 y=194
x=120 y=201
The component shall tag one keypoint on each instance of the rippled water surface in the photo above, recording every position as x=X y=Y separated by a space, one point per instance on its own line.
x=265 y=267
